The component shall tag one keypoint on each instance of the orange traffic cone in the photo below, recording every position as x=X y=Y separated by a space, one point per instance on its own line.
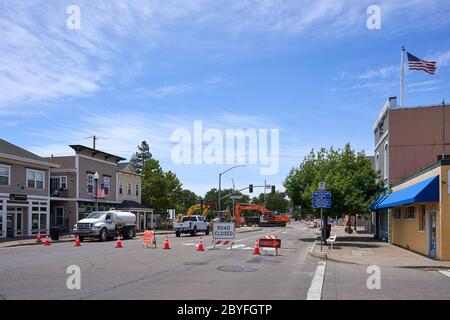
x=39 y=239
x=47 y=240
x=256 y=249
x=118 y=243
x=77 y=242
x=166 y=244
x=200 y=245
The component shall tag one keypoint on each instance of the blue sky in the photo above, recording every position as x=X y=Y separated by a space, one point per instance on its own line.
x=141 y=69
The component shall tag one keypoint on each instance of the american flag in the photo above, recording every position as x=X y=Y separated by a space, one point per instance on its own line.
x=415 y=63
x=100 y=191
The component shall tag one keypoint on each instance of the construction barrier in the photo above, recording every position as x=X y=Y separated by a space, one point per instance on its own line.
x=270 y=242
x=220 y=242
x=148 y=238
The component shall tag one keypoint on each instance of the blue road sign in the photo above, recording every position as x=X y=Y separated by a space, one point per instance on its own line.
x=321 y=203
x=322 y=194
x=321 y=199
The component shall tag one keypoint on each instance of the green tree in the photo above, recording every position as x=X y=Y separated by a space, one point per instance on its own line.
x=160 y=190
x=346 y=173
x=139 y=158
x=275 y=201
x=213 y=195
x=186 y=199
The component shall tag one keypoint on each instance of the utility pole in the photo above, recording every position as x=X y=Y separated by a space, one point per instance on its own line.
x=265 y=198
x=94 y=139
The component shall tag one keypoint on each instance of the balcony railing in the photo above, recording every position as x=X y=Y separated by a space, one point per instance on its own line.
x=59 y=193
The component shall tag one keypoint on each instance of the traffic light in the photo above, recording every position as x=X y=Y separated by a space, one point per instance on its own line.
x=250 y=188
x=273 y=190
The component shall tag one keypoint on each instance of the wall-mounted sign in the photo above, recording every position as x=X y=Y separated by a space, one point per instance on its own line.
x=18 y=197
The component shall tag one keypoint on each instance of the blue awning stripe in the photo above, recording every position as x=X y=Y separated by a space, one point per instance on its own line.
x=424 y=191
x=376 y=202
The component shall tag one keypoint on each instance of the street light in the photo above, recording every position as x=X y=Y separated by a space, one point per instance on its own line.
x=220 y=181
x=96 y=177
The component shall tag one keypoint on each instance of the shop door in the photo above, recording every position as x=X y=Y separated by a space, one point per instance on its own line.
x=432 y=234
x=9 y=224
x=14 y=219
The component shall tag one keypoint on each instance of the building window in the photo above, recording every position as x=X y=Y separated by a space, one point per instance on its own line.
x=409 y=214
x=35 y=179
x=1 y=219
x=90 y=183
x=137 y=190
x=381 y=129
x=120 y=187
x=106 y=182
x=5 y=175
x=422 y=218
x=129 y=189
x=58 y=183
x=386 y=160
x=397 y=213
x=377 y=162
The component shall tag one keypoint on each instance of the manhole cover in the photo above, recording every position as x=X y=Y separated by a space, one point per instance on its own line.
x=242 y=268
x=195 y=263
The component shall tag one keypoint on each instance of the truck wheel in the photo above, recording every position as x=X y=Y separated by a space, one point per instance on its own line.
x=207 y=231
x=103 y=235
x=128 y=233
x=194 y=232
x=177 y=234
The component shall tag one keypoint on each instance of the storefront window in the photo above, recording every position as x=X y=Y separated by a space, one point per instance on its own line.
x=43 y=221
x=35 y=221
x=422 y=218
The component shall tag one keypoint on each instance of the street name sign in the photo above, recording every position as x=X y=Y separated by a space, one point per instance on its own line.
x=224 y=231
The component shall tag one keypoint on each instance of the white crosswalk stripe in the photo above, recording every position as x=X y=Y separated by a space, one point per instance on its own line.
x=446 y=273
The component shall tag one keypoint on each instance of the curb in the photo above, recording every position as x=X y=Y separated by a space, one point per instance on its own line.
x=16 y=244
x=325 y=256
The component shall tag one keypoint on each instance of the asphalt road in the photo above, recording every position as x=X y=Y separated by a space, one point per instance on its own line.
x=38 y=272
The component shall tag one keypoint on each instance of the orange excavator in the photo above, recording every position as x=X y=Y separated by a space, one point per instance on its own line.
x=264 y=218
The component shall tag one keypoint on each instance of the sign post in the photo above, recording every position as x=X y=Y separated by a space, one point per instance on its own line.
x=321 y=199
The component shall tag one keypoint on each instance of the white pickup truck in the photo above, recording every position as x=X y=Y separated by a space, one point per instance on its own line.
x=106 y=225
x=191 y=224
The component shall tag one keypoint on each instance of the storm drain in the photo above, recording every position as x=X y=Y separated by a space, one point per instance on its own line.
x=195 y=263
x=241 y=268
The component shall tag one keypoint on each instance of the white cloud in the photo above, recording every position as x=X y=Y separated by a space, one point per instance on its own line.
x=383 y=72
x=166 y=90
x=42 y=60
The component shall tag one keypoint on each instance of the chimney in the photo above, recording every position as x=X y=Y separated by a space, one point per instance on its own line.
x=392 y=102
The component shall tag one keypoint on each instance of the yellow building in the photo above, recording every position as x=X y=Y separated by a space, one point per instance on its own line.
x=419 y=211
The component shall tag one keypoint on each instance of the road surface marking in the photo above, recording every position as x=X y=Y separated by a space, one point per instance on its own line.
x=446 y=273
x=315 y=290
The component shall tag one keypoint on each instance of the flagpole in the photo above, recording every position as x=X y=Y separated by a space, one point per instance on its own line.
x=402 y=75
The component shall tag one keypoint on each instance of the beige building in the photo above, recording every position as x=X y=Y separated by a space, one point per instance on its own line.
x=24 y=192
x=73 y=187
x=129 y=196
x=418 y=209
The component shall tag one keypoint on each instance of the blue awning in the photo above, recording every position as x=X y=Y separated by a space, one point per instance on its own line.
x=423 y=191
x=374 y=205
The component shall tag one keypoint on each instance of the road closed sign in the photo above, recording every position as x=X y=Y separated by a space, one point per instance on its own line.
x=223 y=230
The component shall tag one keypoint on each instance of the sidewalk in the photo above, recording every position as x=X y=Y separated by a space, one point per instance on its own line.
x=360 y=248
x=29 y=241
